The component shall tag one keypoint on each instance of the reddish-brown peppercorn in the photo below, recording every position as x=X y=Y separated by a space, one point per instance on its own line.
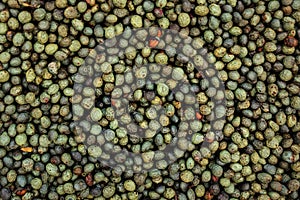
x=290 y=41
x=89 y=179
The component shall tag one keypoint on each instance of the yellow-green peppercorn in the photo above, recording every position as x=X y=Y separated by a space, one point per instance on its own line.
x=129 y=185
x=70 y=12
x=184 y=19
x=136 y=21
x=108 y=191
x=187 y=176
x=201 y=10
x=120 y=4
x=24 y=17
x=36 y=183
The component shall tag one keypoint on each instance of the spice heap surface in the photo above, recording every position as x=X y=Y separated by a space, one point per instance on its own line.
x=149 y=99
